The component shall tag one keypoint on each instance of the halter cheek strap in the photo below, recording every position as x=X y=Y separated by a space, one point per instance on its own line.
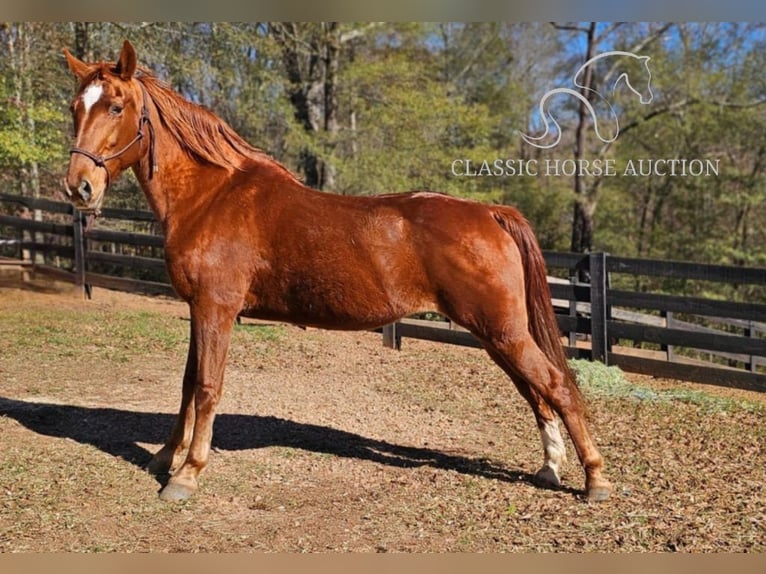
x=100 y=160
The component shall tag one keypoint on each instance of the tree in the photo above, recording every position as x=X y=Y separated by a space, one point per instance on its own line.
x=311 y=53
x=31 y=139
x=710 y=105
x=407 y=129
x=597 y=37
x=503 y=66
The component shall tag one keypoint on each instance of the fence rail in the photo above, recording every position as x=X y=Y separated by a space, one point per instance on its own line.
x=692 y=338
x=718 y=341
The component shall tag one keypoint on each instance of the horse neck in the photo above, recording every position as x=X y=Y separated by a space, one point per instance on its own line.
x=178 y=182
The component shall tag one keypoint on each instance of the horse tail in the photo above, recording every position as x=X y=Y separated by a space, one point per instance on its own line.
x=542 y=320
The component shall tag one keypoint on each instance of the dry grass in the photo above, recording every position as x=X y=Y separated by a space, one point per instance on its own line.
x=328 y=442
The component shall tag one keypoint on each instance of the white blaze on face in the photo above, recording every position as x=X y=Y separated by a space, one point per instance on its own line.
x=91 y=95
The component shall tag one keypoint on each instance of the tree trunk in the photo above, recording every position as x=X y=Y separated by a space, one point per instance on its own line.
x=82 y=41
x=584 y=204
x=311 y=55
x=332 y=57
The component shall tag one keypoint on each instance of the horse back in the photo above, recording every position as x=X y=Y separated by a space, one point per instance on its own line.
x=320 y=259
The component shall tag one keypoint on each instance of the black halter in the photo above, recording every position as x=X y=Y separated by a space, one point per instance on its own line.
x=100 y=161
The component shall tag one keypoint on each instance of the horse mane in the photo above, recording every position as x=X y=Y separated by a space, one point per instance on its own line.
x=199 y=132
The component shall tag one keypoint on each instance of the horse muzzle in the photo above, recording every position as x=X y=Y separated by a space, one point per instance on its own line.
x=85 y=195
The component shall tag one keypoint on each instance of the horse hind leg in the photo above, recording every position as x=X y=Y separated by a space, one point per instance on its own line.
x=554 y=451
x=523 y=360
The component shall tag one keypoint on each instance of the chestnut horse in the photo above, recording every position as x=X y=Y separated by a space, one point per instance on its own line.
x=244 y=236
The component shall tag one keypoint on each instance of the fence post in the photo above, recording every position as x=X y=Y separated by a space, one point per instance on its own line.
x=670 y=354
x=572 y=335
x=391 y=338
x=598 y=308
x=25 y=273
x=79 y=224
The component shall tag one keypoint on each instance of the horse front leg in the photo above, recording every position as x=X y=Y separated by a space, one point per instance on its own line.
x=170 y=456
x=211 y=332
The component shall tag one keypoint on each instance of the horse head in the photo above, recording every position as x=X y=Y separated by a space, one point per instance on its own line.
x=109 y=112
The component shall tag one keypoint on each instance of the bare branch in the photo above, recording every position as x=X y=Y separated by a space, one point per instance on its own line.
x=652 y=38
x=640 y=46
x=651 y=115
x=569 y=27
x=359 y=32
x=608 y=31
x=737 y=105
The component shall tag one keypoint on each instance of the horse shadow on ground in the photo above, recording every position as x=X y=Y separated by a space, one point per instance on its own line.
x=118 y=433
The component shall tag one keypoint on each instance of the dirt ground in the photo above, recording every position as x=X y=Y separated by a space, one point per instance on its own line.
x=328 y=442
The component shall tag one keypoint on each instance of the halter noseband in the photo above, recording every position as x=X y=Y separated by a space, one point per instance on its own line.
x=100 y=160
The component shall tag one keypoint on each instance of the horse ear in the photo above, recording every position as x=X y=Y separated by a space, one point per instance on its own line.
x=126 y=65
x=79 y=68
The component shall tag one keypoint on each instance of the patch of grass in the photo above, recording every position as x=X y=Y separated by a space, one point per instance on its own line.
x=154 y=328
x=259 y=333
x=596 y=379
x=114 y=334
x=128 y=330
x=110 y=333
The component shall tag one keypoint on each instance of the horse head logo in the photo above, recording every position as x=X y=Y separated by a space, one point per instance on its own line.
x=643 y=90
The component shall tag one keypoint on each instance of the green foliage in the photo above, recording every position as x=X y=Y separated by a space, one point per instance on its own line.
x=33 y=117
x=41 y=121
x=716 y=111
x=408 y=129
x=414 y=97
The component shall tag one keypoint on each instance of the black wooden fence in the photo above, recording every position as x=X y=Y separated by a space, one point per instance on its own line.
x=67 y=245
x=701 y=339
x=616 y=315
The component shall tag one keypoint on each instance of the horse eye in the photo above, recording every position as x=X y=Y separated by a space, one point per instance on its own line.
x=115 y=109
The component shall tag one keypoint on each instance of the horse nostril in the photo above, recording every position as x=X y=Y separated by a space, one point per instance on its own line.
x=67 y=189
x=85 y=190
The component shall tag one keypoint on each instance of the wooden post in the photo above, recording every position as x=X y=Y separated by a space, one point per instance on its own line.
x=598 y=308
x=79 y=223
x=669 y=349
x=391 y=338
x=572 y=335
x=25 y=273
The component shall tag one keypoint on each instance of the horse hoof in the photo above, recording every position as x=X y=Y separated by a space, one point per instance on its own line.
x=546 y=477
x=175 y=492
x=599 y=493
